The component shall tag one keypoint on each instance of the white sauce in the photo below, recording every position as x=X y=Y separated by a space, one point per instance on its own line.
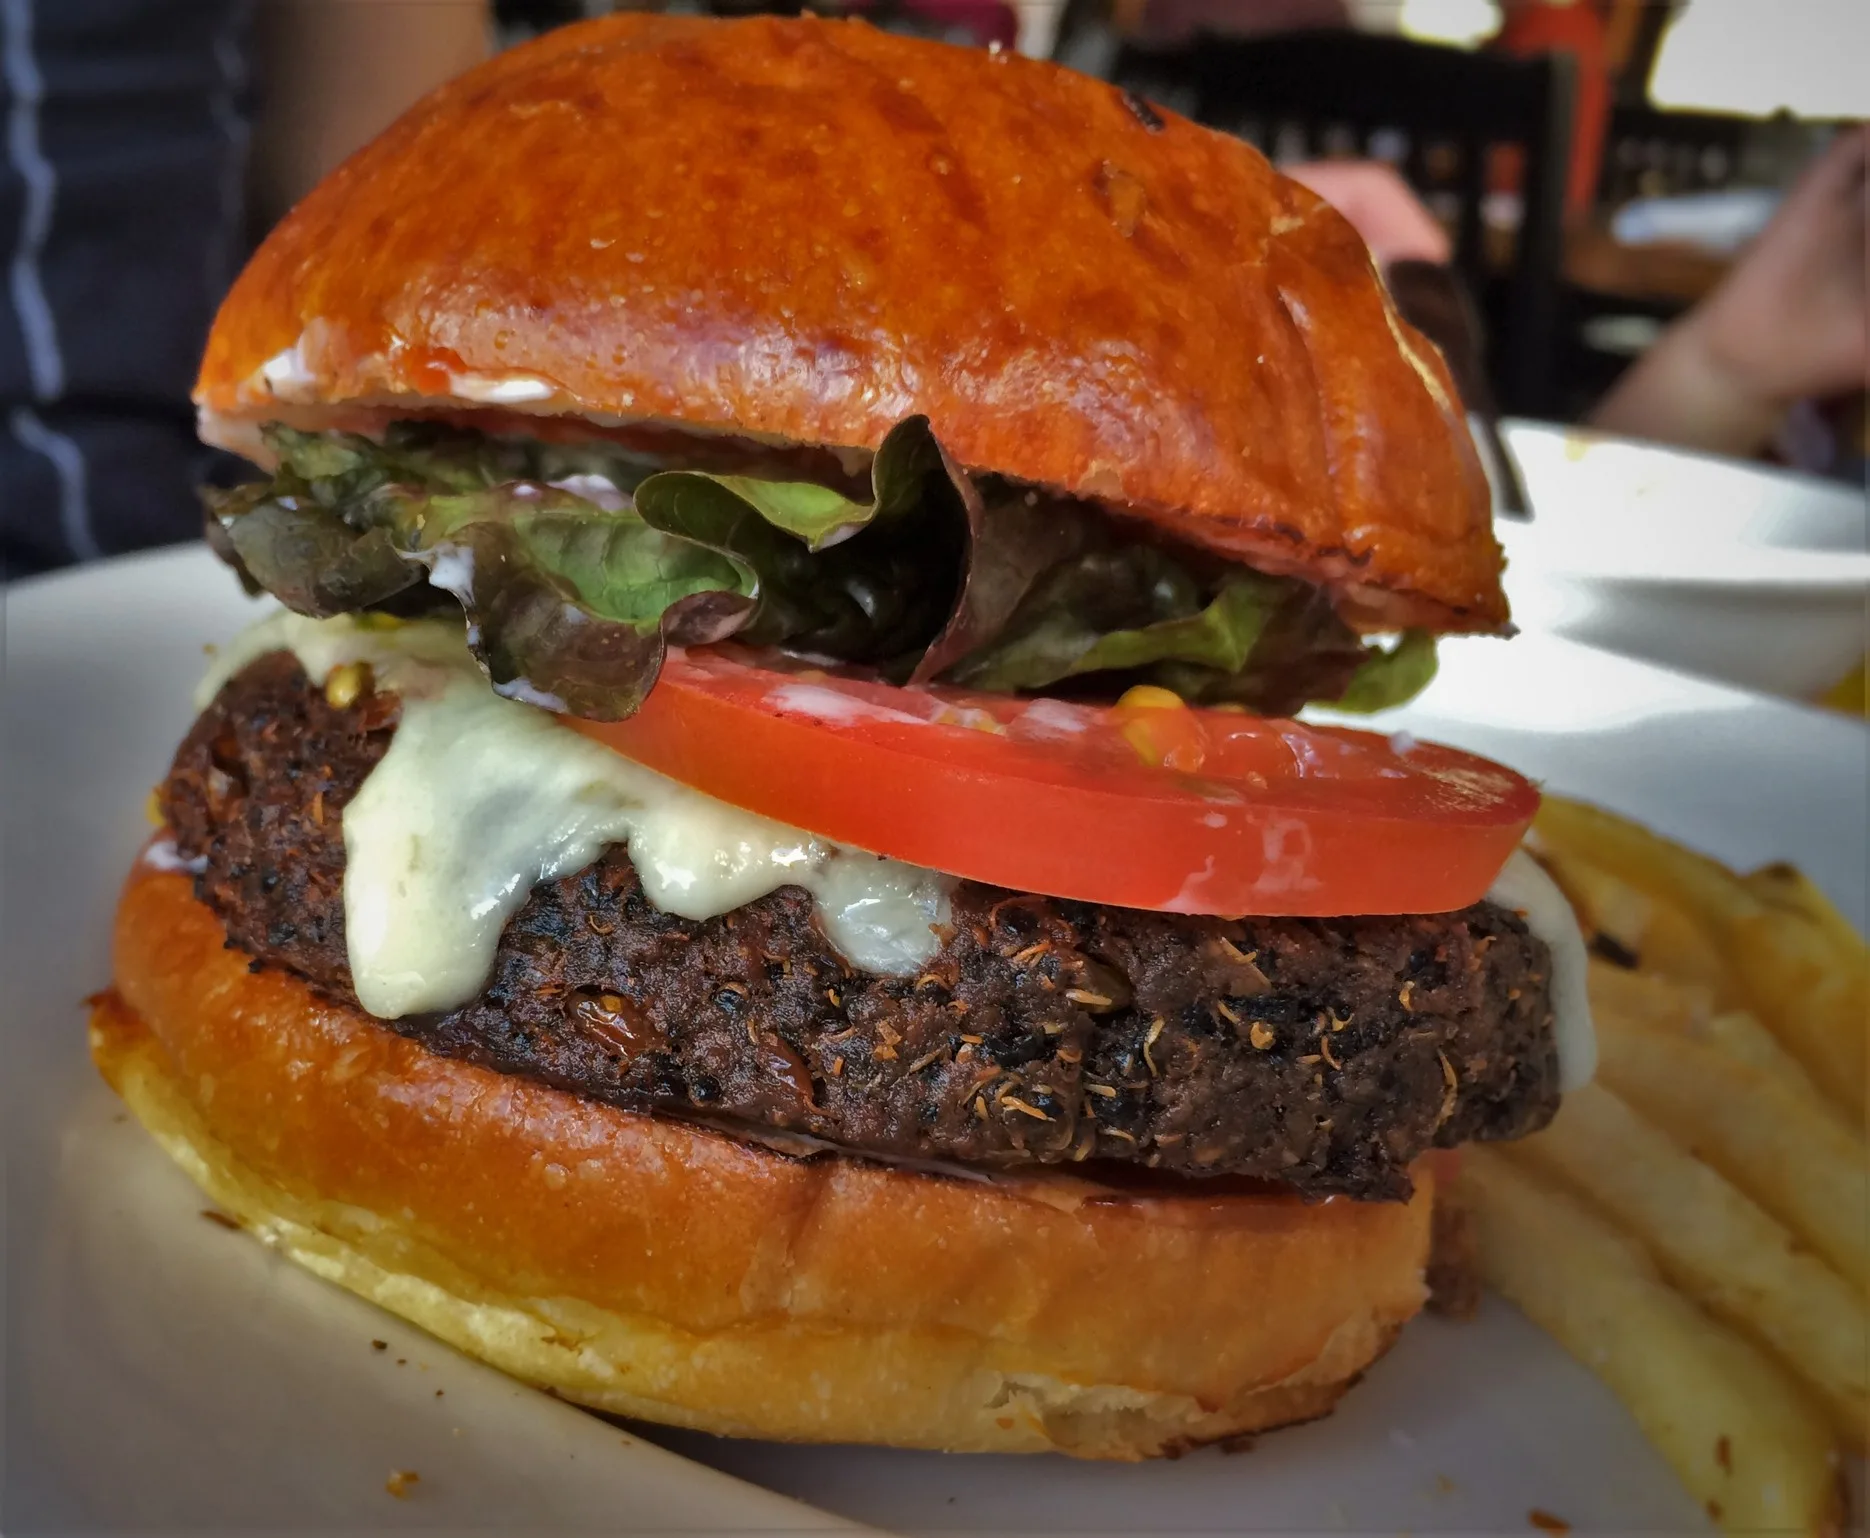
x=478 y=798
x=513 y=390
x=1524 y=887
x=599 y=490
x=1053 y=717
x=285 y=373
x=836 y=707
x=161 y=854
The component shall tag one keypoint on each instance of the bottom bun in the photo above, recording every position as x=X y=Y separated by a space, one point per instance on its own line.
x=654 y=1269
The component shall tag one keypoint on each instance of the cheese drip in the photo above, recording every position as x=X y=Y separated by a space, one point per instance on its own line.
x=479 y=798
x=1524 y=887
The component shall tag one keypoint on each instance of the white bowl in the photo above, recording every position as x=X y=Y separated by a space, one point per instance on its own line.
x=1731 y=570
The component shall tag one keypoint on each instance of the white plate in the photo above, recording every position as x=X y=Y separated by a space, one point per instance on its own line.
x=1737 y=571
x=1612 y=507
x=166 y=1373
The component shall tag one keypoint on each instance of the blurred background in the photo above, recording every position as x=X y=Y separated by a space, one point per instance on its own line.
x=1646 y=215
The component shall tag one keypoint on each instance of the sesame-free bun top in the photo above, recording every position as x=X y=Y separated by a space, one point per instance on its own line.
x=803 y=231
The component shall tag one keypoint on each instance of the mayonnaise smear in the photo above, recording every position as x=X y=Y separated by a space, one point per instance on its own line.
x=1524 y=887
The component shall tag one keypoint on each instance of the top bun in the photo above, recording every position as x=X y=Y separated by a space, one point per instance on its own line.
x=804 y=231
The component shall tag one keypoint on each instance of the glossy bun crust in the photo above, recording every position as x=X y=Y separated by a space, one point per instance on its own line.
x=657 y=1270
x=805 y=230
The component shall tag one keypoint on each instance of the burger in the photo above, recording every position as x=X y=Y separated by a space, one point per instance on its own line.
x=759 y=874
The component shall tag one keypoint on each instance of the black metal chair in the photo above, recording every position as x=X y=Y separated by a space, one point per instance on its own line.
x=1438 y=114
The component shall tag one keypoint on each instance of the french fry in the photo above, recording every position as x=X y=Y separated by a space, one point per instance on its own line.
x=1657 y=932
x=1647 y=999
x=1739 y=1432
x=1742 y=1037
x=1678 y=946
x=1808 y=1171
x=1815 y=1005
x=1812 y=995
x=1786 y=886
x=1605 y=904
x=1651 y=863
x=1714 y=1244
x=1623 y=1000
x=1789 y=889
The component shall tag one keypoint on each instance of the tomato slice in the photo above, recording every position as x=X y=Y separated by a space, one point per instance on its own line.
x=1138 y=805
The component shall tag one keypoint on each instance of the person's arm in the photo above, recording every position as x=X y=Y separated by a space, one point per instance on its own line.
x=335 y=73
x=1788 y=323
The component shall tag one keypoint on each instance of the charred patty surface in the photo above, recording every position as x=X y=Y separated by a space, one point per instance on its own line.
x=1323 y=1054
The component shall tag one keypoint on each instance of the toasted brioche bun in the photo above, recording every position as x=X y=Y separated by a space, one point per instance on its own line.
x=804 y=231
x=658 y=1270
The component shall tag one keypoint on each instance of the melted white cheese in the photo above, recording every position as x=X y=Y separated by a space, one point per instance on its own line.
x=1524 y=887
x=478 y=798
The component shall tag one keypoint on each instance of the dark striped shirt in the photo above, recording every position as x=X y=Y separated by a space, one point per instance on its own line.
x=120 y=226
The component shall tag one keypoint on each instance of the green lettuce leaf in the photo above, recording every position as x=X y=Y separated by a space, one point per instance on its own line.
x=1220 y=636
x=309 y=559
x=340 y=468
x=573 y=612
x=574 y=590
x=1014 y=537
x=1136 y=614
x=1390 y=677
x=816 y=516
x=1303 y=652
x=612 y=563
x=568 y=603
x=1124 y=611
x=572 y=603
x=860 y=581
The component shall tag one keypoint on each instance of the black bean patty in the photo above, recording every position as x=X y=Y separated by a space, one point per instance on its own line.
x=1322 y=1054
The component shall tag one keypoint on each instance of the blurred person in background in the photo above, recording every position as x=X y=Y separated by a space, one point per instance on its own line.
x=1788 y=326
x=133 y=157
